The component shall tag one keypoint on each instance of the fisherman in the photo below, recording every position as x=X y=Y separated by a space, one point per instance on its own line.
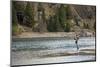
x=76 y=41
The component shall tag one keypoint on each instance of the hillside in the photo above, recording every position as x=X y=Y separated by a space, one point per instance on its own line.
x=51 y=17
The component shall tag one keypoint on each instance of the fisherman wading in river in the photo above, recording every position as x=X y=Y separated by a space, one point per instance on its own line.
x=76 y=41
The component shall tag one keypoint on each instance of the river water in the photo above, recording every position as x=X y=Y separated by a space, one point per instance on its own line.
x=57 y=50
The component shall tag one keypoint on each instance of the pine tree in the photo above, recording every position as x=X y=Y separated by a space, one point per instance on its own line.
x=29 y=15
x=62 y=15
x=52 y=24
x=94 y=26
x=68 y=12
x=14 y=21
x=67 y=27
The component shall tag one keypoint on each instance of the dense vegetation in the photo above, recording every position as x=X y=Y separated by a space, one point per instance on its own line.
x=45 y=17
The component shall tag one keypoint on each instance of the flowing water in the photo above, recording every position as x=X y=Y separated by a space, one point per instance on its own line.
x=56 y=50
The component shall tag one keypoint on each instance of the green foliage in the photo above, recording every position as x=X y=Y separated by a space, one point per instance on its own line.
x=14 y=21
x=86 y=26
x=19 y=6
x=29 y=14
x=51 y=26
x=59 y=22
x=58 y=25
x=67 y=27
x=68 y=12
x=62 y=15
x=14 y=29
x=94 y=26
x=28 y=10
x=14 y=17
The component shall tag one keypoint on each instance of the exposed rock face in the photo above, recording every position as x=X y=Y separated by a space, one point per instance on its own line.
x=83 y=12
x=47 y=17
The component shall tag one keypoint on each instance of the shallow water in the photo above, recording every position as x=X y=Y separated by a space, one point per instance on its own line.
x=53 y=44
x=32 y=52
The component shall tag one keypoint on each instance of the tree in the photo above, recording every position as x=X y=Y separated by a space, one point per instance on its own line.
x=62 y=15
x=19 y=6
x=51 y=26
x=14 y=22
x=67 y=27
x=29 y=15
x=95 y=26
x=68 y=12
x=86 y=26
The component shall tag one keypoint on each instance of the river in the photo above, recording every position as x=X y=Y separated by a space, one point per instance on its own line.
x=52 y=50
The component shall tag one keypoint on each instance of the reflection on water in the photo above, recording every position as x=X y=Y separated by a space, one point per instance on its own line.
x=31 y=51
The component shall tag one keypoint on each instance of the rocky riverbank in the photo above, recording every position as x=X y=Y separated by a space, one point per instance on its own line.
x=54 y=34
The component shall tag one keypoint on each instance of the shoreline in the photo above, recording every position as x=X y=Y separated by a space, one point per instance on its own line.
x=52 y=34
x=43 y=38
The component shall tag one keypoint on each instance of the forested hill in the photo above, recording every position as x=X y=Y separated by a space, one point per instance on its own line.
x=47 y=17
